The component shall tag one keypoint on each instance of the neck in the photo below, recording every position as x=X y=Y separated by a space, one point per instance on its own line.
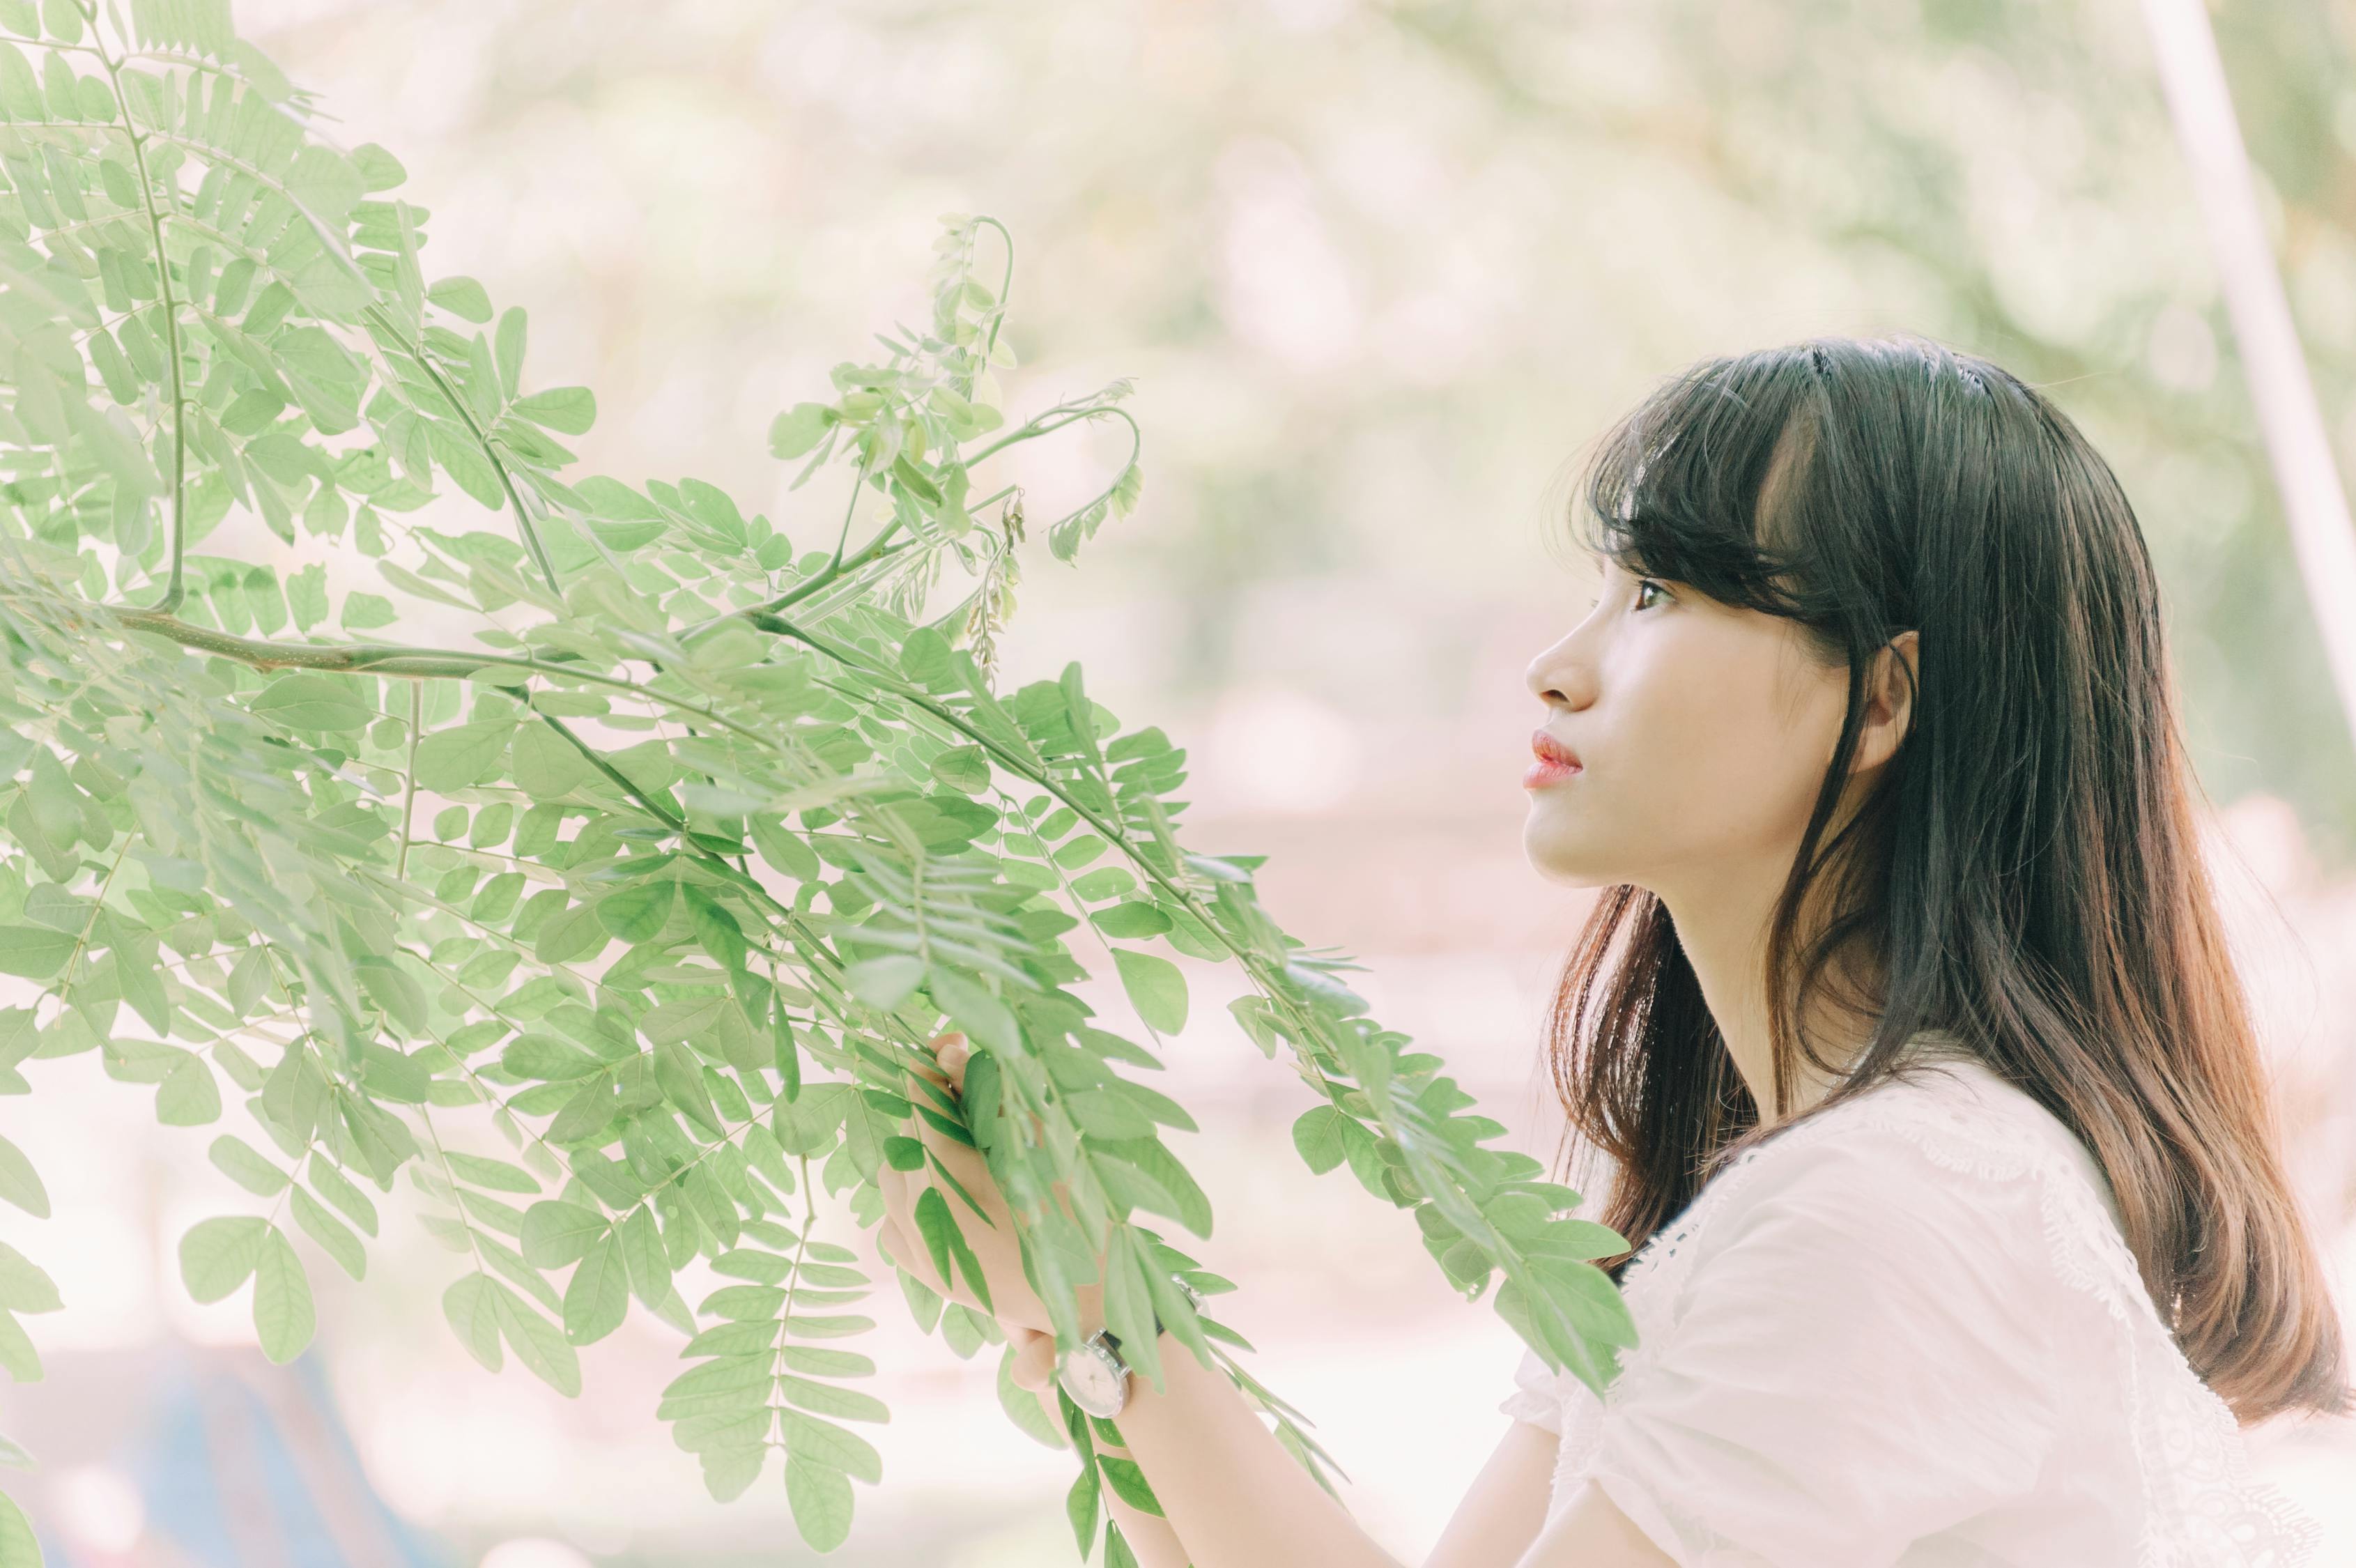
x=1724 y=935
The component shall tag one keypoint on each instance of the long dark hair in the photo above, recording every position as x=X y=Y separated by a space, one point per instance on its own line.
x=2024 y=878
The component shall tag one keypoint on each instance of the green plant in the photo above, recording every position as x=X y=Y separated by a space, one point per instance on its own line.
x=667 y=879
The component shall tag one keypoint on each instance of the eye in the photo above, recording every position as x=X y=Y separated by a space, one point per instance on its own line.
x=1642 y=584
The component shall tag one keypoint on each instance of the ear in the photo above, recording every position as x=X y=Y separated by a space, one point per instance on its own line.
x=1888 y=700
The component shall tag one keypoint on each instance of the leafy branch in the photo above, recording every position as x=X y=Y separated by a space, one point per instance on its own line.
x=673 y=875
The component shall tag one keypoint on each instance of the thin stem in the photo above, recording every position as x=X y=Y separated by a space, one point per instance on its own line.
x=97 y=908
x=523 y=518
x=393 y=658
x=175 y=586
x=833 y=571
x=614 y=775
x=850 y=510
x=1004 y=286
x=409 y=793
x=1038 y=426
x=457 y=1205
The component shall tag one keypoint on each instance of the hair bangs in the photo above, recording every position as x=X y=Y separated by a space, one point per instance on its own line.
x=1674 y=488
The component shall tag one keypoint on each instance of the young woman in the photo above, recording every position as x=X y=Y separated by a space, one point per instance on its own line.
x=1936 y=1120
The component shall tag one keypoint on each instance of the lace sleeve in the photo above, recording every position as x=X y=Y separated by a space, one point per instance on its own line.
x=1862 y=1360
x=1538 y=1395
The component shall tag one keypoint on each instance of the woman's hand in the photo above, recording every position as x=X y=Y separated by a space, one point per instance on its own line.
x=1012 y=1301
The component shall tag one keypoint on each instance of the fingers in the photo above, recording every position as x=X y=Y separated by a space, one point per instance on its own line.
x=954 y=1052
x=895 y=1232
x=892 y=1242
x=898 y=1202
x=939 y=1045
x=1034 y=1358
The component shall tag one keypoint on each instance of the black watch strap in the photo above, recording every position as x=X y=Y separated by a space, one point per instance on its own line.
x=1160 y=1328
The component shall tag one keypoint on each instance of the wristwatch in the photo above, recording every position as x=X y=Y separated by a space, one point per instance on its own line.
x=1096 y=1376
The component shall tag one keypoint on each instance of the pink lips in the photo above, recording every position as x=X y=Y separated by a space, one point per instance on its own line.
x=1555 y=762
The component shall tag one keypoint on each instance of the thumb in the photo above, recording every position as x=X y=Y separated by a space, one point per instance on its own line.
x=1034 y=1358
x=954 y=1053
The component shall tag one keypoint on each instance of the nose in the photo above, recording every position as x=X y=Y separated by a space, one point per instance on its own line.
x=1561 y=678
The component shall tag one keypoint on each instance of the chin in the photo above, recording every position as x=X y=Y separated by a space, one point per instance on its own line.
x=1564 y=862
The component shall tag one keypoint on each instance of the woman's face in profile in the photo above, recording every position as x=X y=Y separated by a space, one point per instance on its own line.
x=1702 y=730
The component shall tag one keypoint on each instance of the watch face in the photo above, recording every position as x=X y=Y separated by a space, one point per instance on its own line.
x=1092 y=1380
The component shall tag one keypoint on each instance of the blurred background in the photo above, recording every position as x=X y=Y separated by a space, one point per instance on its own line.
x=1379 y=272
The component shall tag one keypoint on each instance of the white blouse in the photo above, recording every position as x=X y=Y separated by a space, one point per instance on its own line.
x=1910 y=1334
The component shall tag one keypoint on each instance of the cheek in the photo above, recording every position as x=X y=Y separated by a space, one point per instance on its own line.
x=1712 y=753
x=1742 y=753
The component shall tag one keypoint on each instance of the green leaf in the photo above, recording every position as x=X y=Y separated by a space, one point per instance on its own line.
x=884 y=983
x=306 y=597
x=468 y=1304
x=945 y=1240
x=1317 y=1135
x=189 y=1095
x=1132 y=921
x=1083 y=1501
x=33 y=953
x=25 y=1286
x=557 y=1232
x=20 y=1184
x=496 y=1175
x=987 y=1020
x=597 y=1298
x=925 y=658
x=62 y=20
x=334 y=1237
x=509 y=349
x=1079 y=852
x=363 y=611
x=1156 y=988
x=18 y=1357
x=537 y=1343
x=19 y=1548
x=283 y=1314
x=569 y=410
x=458 y=756
x=1128 y=1303
x=462 y=296
x=313 y=703
x=643 y=1256
x=823 y=1443
x=783 y=850
x=248 y=1169
x=679 y=1073
x=332 y=1184
x=637 y=914
x=821 y=1500
x=217 y=1255
x=546 y=763
x=1128 y=1483
x=546 y=1057
x=799 y=429
x=965 y=768
x=1022 y=1405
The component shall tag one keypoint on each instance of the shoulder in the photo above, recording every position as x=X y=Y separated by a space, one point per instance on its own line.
x=1950 y=1162
x=1857 y=1342
x=1956 y=1117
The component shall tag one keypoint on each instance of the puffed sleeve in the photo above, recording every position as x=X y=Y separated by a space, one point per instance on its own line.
x=1858 y=1357
x=1538 y=1393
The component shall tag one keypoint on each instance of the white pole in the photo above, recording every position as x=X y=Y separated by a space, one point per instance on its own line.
x=2313 y=502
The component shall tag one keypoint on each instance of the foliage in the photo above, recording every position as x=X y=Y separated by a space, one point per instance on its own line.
x=668 y=880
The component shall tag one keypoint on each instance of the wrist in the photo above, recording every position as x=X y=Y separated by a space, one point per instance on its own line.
x=1088 y=1301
